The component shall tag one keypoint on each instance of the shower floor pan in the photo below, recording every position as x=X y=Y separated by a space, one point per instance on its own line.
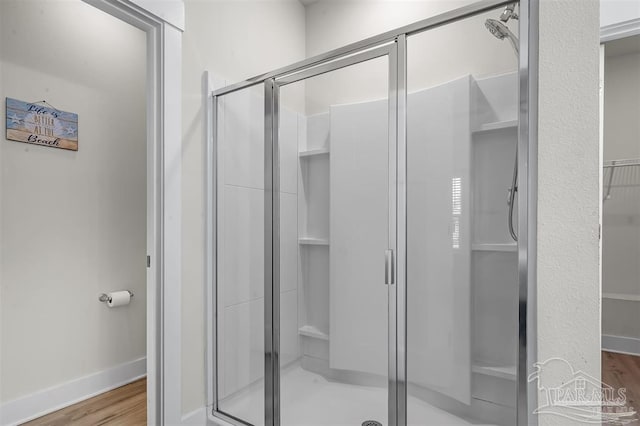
x=309 y=399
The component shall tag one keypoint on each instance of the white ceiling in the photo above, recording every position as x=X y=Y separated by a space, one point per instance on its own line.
x=307 y=2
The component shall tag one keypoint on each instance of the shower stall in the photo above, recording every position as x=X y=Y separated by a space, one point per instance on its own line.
x=368 y=235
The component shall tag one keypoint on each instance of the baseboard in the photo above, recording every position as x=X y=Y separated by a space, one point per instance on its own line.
x=46 y=401
x=196 y=417
x=620 y=344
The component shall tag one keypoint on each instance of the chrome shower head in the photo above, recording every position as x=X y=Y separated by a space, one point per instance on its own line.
x=497 y=28
x=501 y=31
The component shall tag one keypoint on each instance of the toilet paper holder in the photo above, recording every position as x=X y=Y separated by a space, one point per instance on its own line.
x=105 y=297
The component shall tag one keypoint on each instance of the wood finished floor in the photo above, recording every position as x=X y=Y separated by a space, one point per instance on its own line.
x=127 y=405
x=623 y=371
x=124 y=406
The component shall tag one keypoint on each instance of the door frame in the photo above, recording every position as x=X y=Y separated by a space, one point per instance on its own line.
x=163 y=25
x=527 y=205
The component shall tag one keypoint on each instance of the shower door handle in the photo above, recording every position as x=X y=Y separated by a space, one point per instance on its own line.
x=389 y=267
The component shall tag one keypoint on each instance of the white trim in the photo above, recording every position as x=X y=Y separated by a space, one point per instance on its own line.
x=196 y=417
x=619 y=30
x=63 y=395
x=621 y=344
x=171 y=349
x=169 y=11
x=164 y=204
x=622 y=296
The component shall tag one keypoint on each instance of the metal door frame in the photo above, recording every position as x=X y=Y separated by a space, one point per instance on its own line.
x=395 y=42
x=272 y=219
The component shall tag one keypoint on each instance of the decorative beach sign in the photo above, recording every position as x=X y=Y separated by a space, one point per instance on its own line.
x=41 y=125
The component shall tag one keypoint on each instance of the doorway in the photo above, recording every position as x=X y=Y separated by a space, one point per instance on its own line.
x=162 y=134
x=621 y=217
x=74 y=221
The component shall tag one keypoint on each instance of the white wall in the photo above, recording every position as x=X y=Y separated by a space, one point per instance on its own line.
x=568 y=187
x=618 y=11
x=354 y=20
x=432 y=60
x=621 y=213
x=622 y=105
x=234 y=40
x=73 y=224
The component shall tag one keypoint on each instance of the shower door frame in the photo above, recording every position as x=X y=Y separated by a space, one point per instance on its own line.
x=396 y=42
x=272 y=219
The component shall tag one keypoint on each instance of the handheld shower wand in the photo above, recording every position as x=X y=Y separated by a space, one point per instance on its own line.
x=501 y=31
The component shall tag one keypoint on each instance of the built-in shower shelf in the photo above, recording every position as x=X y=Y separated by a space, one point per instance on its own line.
x=311 y=331
x=488 y=127
x=313 y=241
x=507 y=372
x=509 y=247
x=313 y=152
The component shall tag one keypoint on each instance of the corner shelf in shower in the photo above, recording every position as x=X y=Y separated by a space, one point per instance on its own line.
x=498 y=125
x=508 y=247
x=311 y=331
x=308 y=241
x=507 y=372
x=313 y=152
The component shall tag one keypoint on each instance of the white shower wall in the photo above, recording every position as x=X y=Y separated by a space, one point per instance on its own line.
x=241 y=240
x=475 y=50
x=462 y=309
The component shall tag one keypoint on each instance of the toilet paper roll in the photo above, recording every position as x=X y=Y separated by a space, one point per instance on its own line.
x=118 y=298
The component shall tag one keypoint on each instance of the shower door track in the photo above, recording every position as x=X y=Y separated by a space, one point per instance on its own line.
x=393 y=45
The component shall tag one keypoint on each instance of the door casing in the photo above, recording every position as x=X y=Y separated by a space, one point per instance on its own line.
x=164 y=99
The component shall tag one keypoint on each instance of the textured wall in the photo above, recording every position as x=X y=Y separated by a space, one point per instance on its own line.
x=568 y=187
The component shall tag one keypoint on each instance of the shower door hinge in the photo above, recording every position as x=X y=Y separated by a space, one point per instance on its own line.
x=389 y=267
x=148 y=261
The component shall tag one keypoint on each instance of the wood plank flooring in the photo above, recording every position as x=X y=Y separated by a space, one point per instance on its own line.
x=124 y=406
x=623 y=371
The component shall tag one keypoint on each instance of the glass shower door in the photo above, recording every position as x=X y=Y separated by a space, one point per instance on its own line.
x=336 y=169
x=331 y=172
x=462 y=262
x=240 y=209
